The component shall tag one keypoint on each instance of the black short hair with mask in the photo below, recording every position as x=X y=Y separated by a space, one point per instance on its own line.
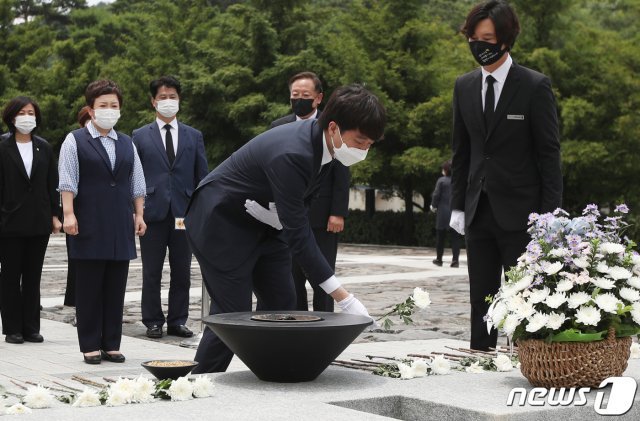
x=317 y=84
x=353 y=107
x=14 y=106
x=168 y=81
x=502 y=15
x=102 y=87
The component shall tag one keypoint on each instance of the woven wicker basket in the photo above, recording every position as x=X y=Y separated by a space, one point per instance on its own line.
x=573 y=364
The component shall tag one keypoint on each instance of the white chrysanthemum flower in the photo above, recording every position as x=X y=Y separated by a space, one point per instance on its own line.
x=440 y=365
x=559 y=252
x=523 y=283
x=117 y=398
x=421 y=298
x=125 y=387
x=419 y=367
x=629 y=294
x=611 y=248
x=538 y=295
x=38 y=397
x=503 y=363
x=581 y=262
x=635 y=258
x=582 y=278
x=144 y=389
x=635 y=312
x=552 y=268
x=603 y=283
x=578 y=298
x=86 y=399
x=202 y=387
x=537 y=322
x=588 y=315
x=602 y=267
x=634 y=281
x=510 y=324
x=555 y=320
x=607 y=302
x=618 y=272
x=497 y=312
x=180 y=390
x=474 y=368
x=635 y=350
x=18 y=409
x=564 y=285
x=556 y=300
x=405 y=370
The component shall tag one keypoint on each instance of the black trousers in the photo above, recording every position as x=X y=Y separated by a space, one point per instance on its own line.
x=153 y=249
x=22 y=259
x=490 y=249
x=100 y=289
x=70 y=291
x=328 y=244
x=454 y=239
x=266 y=273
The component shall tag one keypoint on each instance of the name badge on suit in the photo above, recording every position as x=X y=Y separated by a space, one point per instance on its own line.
x=515 y=117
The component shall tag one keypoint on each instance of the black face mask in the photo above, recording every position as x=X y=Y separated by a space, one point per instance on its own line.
x=301 y=106
x=486 y=53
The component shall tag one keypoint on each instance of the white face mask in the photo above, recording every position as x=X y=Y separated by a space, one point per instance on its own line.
x=106 y=118
x=168 y=107
x=25 y=123
x=346 y=155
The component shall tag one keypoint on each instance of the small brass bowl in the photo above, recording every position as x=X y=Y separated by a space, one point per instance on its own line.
x=169 y=369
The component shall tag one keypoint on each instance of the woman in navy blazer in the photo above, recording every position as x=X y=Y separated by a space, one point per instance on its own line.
x=28 y=214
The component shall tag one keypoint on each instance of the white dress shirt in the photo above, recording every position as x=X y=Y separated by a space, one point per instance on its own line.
x=174 y=133
x=500 y=75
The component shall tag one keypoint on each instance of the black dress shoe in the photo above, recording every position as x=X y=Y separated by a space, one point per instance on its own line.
x=15 y=338
x=455 y=264
x=437 y=262
x=180 y=330
x=114 y=358
x=154 y=331
x=93 y=359
x=33 y=337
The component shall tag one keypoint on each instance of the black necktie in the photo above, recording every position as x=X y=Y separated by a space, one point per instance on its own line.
x=489 y=102
x=169 y=141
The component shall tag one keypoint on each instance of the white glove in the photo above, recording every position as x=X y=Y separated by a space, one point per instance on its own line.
x=266 y=216
x=457 y=221
x=433 y=209
x=351 y=305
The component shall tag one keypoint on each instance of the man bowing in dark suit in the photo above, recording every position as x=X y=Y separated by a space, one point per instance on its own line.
x=174 y=162
x=330 y=204
x=249 y=215
x=506 y=156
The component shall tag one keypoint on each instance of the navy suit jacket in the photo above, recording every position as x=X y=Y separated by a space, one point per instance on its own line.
x=281 y=165
x=170 y=187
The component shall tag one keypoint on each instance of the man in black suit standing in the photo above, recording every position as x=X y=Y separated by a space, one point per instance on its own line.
x=506 y=156
x=330 y=204
x=249 y=215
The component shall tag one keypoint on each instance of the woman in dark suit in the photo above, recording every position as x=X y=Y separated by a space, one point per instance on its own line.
x=440 y=204
x=28 y=214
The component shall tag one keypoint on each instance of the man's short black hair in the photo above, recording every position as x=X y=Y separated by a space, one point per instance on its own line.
x=317 y=84
x=13 y=108
x=502 y=15
x=168 y=81
x=102 y=87
x=353 y=107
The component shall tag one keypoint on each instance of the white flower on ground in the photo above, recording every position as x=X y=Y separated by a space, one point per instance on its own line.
x=86 y=399
x=18 y=409
x=578 y=298
x=556 y=300
x=552 y=268
x=419 y=367
x=510 y=324
x=117 y=398
x=202 y=387
x=588 y=315
x=474 y=368
x=618 y=272
x=603 y=283
x=180 y=390
x=581 y=262
x=629 y=294
x=538 y=295
x=503 y=363
x=38 y=397
x=126 y=388
x=607 y=302
x=635 y=350
x=440 y=365
x=537 y=322
x=405 y=370
x=144 y=389
x=602 y=268
x=564 y=285
x=611 y=248
x=634 y=282
x=421 y=298
x=555 y=320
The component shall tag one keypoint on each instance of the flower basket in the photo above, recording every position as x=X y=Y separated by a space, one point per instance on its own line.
x=573 y=364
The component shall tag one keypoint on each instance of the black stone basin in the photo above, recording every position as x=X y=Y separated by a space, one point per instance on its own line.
x=287 y=351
